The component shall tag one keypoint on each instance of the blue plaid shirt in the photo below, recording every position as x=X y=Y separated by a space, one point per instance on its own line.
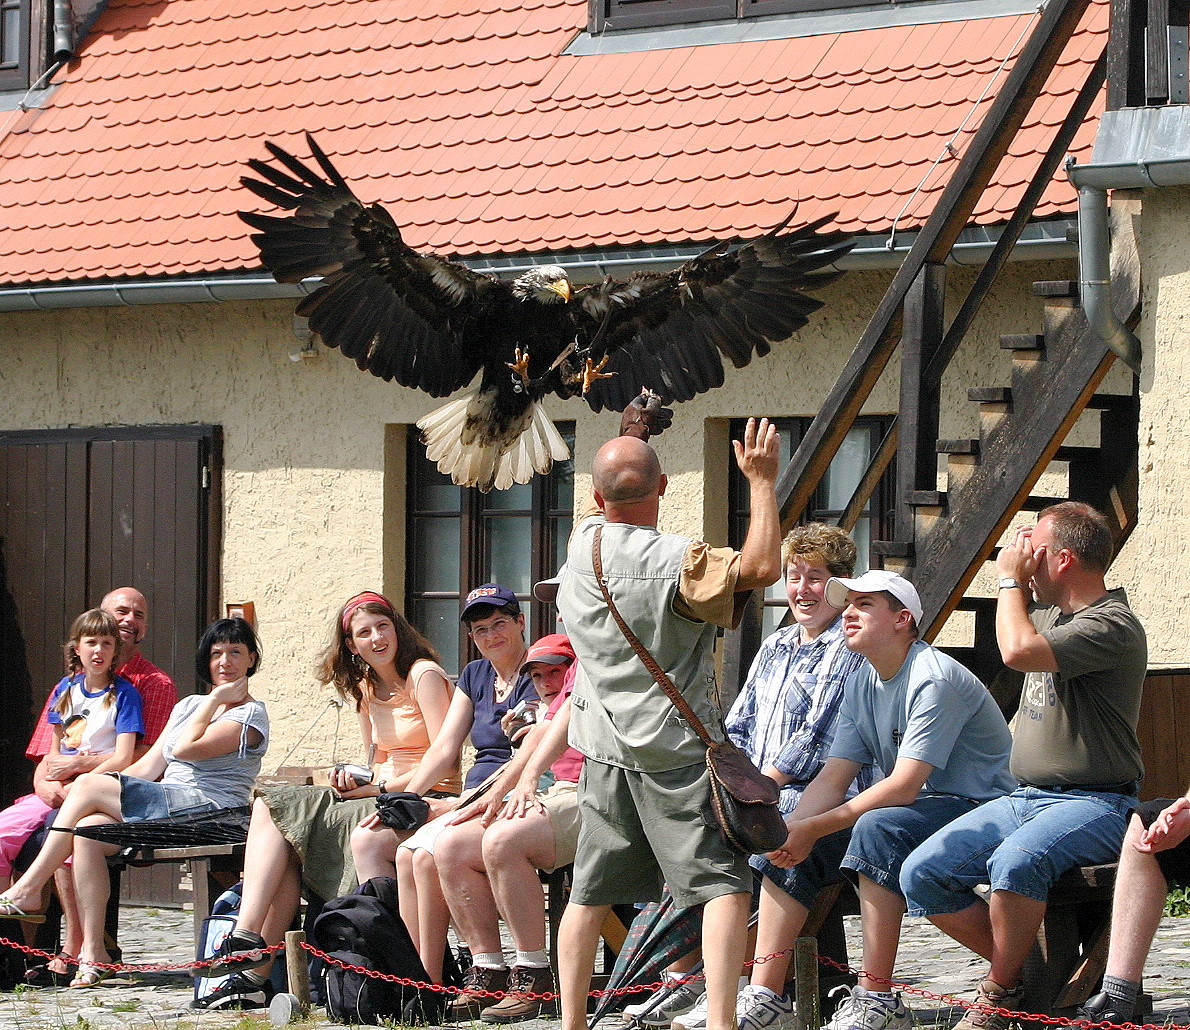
x=785 y=716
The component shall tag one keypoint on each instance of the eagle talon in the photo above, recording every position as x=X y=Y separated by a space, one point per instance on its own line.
x=521 y=366
x=592 y=373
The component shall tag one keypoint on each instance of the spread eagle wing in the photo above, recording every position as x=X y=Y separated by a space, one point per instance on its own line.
x=669 y=332
x=397 y=313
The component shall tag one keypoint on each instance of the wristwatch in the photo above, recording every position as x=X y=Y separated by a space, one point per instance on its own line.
x=1008 y=583
x=382 y=785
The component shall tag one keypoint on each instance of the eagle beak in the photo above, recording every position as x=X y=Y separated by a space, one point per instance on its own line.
x=561 y=288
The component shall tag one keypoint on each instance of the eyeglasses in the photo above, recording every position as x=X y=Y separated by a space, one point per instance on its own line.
x=483 y=632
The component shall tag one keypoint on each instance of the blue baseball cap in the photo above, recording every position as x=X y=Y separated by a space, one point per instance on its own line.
x=493 y=594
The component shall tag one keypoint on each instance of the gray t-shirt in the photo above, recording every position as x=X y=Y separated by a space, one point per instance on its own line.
x=226 y=780
x=933 y=710
x=1078 y=725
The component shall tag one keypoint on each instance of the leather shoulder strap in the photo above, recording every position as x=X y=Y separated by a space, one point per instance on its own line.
x=650 y=663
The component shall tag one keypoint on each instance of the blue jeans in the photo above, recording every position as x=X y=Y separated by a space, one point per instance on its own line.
x=1021 y=842
x=883 y=838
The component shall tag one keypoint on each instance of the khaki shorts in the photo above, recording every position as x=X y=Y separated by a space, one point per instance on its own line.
x=640 y=830
x=561 y=805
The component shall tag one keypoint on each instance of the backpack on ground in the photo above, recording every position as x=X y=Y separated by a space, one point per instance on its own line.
x=363 y=929
x=215 y=927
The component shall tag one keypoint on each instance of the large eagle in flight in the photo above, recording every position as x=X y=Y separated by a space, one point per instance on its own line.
x=433 y=324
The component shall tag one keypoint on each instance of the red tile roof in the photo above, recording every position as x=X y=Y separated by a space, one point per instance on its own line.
x=482 y=137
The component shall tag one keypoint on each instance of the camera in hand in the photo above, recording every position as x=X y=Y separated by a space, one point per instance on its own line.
x=360 y=773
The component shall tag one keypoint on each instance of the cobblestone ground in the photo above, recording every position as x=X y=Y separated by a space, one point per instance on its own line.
x=930 y=962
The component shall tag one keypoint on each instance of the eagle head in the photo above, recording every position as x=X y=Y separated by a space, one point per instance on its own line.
x=546 y=285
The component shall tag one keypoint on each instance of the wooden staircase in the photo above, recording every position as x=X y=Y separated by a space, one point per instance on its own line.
x=1055 y=376
x=944 y=532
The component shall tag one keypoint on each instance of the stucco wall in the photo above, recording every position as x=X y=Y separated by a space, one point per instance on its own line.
x=309 y=516
x=1152 y=565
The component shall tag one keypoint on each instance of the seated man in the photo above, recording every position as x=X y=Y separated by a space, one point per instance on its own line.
x=1074 y=753
x=937 y=735
x=1155 y=857
x=489 y=856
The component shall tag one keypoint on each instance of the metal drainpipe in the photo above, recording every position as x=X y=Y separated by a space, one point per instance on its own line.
x=63 y=31
x=1094 y=272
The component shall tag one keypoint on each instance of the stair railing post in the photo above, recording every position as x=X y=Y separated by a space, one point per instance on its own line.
x=918 y=410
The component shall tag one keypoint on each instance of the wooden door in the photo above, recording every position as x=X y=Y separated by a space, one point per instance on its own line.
x=83 y=511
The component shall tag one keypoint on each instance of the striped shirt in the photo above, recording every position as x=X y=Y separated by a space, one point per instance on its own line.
x=785 y=716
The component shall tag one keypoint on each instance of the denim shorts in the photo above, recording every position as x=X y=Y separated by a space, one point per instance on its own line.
x=804 y=882
x=883 y=838
x=1021 y=842
x=145 y=799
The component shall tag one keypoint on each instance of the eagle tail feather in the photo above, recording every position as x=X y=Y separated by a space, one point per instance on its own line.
x=472 y=459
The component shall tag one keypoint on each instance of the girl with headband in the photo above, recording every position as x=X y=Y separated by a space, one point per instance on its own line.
x=299 y=836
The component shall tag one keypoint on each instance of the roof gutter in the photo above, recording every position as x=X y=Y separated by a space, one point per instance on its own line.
x=1042 y=241
x=1135 y=148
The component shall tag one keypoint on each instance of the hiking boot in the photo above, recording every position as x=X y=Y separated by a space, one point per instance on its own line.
x=237 y=992
x=758 y=1008
x=1103 y=1008
x=992 y=995
x=521 y=1002
x=660 y=1009
x=479 y=983
x=861 y=1011
x=240 y=950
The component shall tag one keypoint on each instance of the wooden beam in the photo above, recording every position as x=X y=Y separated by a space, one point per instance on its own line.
x=1125 y=69
x=921 y=336
x=1157 y=53
x=934 y=242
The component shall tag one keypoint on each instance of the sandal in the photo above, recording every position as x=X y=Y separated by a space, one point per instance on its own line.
x=10 y=910
x=89 y=975
x=240 y=950
x=43 y=976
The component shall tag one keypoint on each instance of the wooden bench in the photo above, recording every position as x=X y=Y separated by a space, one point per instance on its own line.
x=1070 y=955
x=212 y=870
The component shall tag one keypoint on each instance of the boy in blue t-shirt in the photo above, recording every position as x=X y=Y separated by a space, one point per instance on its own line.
x=937 y=735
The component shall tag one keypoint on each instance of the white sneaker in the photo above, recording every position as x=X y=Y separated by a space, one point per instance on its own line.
x=758 y=1008
x=861 y=1011
x=696 y=1018
x=676 y=999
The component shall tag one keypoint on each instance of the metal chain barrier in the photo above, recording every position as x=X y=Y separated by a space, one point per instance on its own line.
x=920 y=992
x=129 y=967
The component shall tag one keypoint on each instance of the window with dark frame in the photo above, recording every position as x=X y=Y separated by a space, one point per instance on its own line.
x=613 y=15
x=24 y=43
x=848 y=466
x=459 y=538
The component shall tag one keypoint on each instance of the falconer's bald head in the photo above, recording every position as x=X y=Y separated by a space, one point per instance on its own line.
x=628 y=480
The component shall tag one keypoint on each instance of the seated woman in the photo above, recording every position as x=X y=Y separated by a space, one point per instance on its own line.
x=488 y=689
x=299 y=835
x=206 y=759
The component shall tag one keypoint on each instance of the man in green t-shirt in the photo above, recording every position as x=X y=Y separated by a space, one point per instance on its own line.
x=1074 y=752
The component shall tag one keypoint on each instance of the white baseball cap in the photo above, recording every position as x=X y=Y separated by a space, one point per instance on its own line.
x=875 y=581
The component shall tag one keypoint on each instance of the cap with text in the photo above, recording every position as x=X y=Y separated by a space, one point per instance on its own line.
x=495 y=594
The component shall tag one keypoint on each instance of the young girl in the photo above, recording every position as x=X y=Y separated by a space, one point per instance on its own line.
x=92 y=711
x=206 y=759
x=300 y=835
